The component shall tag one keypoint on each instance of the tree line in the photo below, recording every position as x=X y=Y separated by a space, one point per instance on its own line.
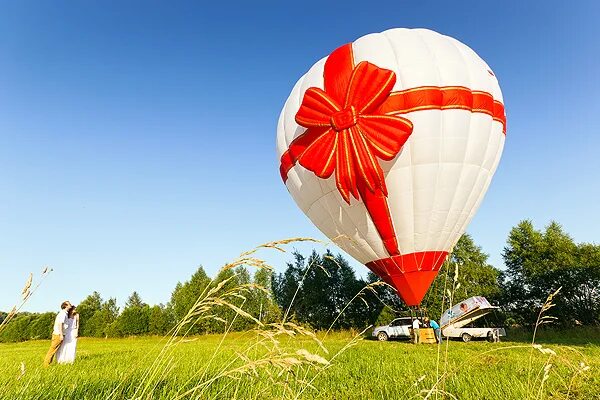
x=103 y=318
x=323 y=291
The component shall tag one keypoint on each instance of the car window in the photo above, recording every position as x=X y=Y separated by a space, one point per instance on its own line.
x=405 y=321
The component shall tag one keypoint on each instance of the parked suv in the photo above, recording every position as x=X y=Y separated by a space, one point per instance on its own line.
x=398 y=328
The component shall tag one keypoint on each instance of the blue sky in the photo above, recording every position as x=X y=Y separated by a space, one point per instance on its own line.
x=137 y=140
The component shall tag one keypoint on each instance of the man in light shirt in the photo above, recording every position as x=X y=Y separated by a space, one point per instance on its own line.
x=58 y=331
x=416 y=324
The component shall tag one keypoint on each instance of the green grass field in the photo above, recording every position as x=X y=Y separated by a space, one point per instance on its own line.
x=115 y=368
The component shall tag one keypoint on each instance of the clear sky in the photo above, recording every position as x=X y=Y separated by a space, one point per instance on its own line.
x=137 y=140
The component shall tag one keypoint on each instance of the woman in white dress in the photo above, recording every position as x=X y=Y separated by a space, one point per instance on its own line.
x=67 y=349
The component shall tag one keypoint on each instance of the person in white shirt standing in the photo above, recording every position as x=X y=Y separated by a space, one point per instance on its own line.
x=58 y=332
x=416 y=324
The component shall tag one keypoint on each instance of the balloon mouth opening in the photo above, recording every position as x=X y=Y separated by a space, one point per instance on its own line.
x=410 y=274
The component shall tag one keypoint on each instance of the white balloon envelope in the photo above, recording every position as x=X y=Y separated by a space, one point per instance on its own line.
x=389 y=144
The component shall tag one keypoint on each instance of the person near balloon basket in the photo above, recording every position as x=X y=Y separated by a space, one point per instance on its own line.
x=436 y=329
x=416 y=331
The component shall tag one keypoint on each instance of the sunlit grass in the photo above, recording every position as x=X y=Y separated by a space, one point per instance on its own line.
x=284 y=360
x=370 y=369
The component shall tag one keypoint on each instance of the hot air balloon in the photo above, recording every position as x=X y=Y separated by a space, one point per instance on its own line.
x=389 y=144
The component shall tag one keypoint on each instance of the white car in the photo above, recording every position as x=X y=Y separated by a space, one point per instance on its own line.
x=398 y=328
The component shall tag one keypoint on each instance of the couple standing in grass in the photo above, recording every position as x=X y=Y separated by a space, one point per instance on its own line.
x=64 y=336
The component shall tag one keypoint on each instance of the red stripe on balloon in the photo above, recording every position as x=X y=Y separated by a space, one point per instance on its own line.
x=427 y=98
x=379 y=211
x=444 y=98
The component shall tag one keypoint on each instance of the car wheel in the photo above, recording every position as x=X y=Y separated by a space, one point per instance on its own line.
x=490 y=337
x=466 y=337
x=382 y=336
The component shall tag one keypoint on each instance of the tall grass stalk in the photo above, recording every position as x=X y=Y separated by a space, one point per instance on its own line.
x=439 y=346
x=455 y=285
x=292 y=371
x=26 y=294
x=541 y=320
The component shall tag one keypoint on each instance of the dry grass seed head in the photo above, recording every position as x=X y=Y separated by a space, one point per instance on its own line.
x=313 y=358
x=583 y=367
x=324 y=270
x=25 y=291
x=21 y=370
x=546 y=372
x=421 y=378
x=544 y=350
x=455 y=272
x=278 y=245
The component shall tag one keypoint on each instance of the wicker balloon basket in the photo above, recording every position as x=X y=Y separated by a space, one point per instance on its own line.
x=426 y=336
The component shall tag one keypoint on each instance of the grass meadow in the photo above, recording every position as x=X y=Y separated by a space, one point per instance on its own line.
x=339 y=366
x=284 y=360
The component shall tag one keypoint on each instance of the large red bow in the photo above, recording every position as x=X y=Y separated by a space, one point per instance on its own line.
x=350 y=125
x=346 y=130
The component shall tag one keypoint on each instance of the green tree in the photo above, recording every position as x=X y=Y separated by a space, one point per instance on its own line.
x=111 y=308
x=134 y=301
x=263 y=305
x=227 y=280
x=583 y=288
x=475 y=278
x=386 y=316
x=241 y=278
x=41 y=326
x=286 y=284
x=86 y=309
x=384 y=304
x=538 y=263
x=99 y=325
x=135 y=318
x=160 y=320
x=18 y=329
x=326 y=285
x=186 y=294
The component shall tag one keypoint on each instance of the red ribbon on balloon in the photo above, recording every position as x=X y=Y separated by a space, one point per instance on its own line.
x=347 y=133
